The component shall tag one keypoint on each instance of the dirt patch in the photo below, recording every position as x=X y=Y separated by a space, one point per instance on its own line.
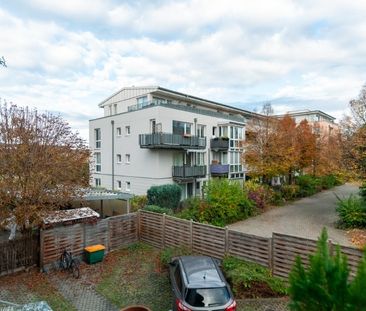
x=256 y=290
x=357 y=237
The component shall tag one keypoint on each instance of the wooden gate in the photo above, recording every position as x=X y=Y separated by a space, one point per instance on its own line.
x=18 y=254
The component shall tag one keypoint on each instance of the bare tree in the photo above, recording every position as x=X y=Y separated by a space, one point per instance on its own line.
x=43 y=164
x=358 y=108
x=2 y=61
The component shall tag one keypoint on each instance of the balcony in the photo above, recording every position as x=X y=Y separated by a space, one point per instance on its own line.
x=189 y=172
x=219 y=169
x=171 y=141
x=219 y=143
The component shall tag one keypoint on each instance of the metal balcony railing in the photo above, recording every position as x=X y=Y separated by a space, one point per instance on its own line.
x=219 y=143
x=219 y=169
x=195 y=171
x=171 y=141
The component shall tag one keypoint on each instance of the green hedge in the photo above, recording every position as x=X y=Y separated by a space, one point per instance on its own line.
x=158 y=209
x=165 y=196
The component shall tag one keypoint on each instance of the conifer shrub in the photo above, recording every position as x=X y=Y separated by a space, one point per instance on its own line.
x=325 y=285
x=167 y=196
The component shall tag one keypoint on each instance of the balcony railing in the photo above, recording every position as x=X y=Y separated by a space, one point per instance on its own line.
x=219 y=143
x=171 y=141
x=219 y=169
x=189 y=171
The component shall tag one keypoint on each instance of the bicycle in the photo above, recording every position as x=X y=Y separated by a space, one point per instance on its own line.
x=67 y=262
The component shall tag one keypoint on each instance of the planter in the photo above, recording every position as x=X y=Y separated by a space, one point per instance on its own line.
x=136 y=308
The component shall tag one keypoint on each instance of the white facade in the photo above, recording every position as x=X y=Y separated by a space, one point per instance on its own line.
x=153 y=136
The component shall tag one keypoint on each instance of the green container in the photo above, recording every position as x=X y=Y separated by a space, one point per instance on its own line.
x=94 y=253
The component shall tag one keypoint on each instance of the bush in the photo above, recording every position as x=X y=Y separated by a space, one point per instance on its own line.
x=363 y=191
x=242 y=275
x=191 y=209
x=165 y=195
x=158 y=209
x=352 y=212
x=329 y=181
x=227 y=202
x=290 y=192
x=169 y=252
x=137 y=202
x=325 y=284
x=277 y=197
x=309 y=185
x=261 y=195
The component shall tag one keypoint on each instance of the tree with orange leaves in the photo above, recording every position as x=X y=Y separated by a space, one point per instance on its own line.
x=43 y=165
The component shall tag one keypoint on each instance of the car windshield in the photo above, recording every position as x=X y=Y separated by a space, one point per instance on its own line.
x=206 y=297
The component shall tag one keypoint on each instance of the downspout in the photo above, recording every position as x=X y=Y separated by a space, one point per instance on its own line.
x=112 y=123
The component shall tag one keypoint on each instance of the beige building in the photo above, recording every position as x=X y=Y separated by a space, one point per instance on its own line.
x=321 y=122
x=153 y=136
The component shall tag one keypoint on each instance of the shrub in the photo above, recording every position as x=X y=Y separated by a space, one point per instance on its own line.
x=158 y=209
x=309 y=185
x=242 y=274
x=226 y=202
x=352 y=212
x=261 y=195
x=191 y=208
x=277 y=197
x=169 y=252
x=165 y=195
x=329 y=181
x=325 y=284
x=290 y=192
x=363 y=191
x=137 y=202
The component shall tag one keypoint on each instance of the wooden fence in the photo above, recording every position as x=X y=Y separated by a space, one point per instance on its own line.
x=113 y=233
x=277 y=253
x=19 y=254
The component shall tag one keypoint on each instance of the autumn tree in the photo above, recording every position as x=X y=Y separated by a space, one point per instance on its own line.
x=42 y=165
x=353 y=130
x=259 y=156
x=305 y=144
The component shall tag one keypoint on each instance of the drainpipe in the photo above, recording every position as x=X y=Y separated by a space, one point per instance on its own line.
x=112 y=123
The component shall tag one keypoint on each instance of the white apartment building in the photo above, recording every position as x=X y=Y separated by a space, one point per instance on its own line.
x=153 y=136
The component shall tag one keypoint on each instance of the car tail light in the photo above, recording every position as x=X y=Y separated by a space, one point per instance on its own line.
x=232 y=307
x=181 y=307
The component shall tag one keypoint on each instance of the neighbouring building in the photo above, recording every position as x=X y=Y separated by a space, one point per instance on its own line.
x=321 y=122
x=153 y=136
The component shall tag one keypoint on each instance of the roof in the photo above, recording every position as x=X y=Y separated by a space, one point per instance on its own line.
x=306 y=112
x=70 y=215
x=158 y=89
x=201 y=271
x=101 y=194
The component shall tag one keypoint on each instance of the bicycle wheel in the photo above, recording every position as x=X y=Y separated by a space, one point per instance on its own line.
x=75 y=268
x=64 y=261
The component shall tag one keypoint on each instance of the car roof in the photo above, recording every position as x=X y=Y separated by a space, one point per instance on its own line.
x=201 y=272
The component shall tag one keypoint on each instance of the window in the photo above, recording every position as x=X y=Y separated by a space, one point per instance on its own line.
x=142 y=101
x=223 y=131
x=110 y=109
x=182 y=128
x=199 y=158
x=119 y=158
x=128 y=130
x=153 y=126
x=128 y=186
x=128 y=158
x=97 y=182
x=119 y=185
x=115 y=108
x=201 y=129
x=98 y=138
x=214 y=129
x=236 y=136
x=98 y=161
x=119 y=131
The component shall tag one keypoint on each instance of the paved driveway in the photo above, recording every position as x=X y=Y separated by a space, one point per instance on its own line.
x=304 y=218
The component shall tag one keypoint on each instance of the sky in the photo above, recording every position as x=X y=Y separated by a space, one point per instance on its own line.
x=67 y=56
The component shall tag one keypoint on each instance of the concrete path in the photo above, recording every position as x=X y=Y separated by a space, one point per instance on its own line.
x=304 y=218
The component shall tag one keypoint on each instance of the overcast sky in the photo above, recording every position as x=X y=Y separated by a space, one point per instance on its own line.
x=67 y=56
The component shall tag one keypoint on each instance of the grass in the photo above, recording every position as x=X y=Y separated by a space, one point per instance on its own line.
x=136 y=278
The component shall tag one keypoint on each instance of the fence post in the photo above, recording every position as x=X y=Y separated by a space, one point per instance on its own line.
x=191 y=235
x=271 y=254
x=330 y=247
x=41 y=249
x=163 y=237
x=226 y=240
x=138 y=225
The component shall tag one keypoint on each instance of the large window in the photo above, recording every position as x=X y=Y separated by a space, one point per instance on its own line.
x=98 y=138
x=236 y=136
x=98 y=161
x=182 y=128
x=142 y=101
x=201 y=129
x=200 y=158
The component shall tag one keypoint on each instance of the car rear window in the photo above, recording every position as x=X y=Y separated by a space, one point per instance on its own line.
x=207 y=297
